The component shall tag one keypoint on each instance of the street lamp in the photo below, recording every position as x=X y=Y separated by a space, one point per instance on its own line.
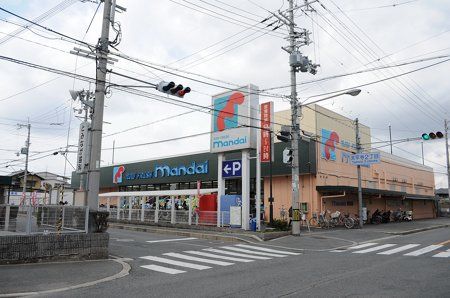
x=295 y=156
x=352 y=92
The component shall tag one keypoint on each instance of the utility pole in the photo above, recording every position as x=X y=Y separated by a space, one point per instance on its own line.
x=26 y=150
x=423 y=157
x=114 y=146
x=93 y=173
x=24 y=190
x=446 y=155
x=358 y=149
x=295 y=129
x=390 y=137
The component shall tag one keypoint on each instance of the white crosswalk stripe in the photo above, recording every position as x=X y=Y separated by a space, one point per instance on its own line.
x=253 y=252
x=230 y=253
x=192 y=258
x=376 y=248
x=398 y=249
x=383 y=249
x=444 y=254
x=268 y=249
x=176 y=263
x=423 y=250
x=362 y=245
x=209 y=255
x=163 y=269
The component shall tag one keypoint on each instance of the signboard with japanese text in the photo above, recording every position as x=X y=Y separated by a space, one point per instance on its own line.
x=266 y=128
x=365 y=159
x=82 y=154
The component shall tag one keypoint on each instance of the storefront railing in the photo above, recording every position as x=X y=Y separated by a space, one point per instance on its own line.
x=172 y=216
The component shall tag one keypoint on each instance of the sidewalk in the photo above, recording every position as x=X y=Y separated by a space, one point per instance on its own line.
x=46 y=278
x=340 y=237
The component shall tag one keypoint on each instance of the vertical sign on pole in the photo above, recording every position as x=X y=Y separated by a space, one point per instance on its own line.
x=233 y=126
x=266 y=128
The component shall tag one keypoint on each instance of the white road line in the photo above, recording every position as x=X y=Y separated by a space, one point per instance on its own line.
x=176 y=263
x=268 y=249
x=373 y=249
x=423 y=250
x=398 y=249
x=253 y=252
x=163 y=269
x=230 y=253
x=192 y=258
x=205 y=254
x=362 y=245
x=444 y=254
x=170 y=240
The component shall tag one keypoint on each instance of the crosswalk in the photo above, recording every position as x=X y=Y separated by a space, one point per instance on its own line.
x=412 y=249
x=182 y=262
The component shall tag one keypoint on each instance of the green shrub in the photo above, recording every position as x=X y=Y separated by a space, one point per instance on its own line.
x=280 y=225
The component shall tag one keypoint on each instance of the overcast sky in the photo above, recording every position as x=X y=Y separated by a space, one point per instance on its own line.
x=222 y=40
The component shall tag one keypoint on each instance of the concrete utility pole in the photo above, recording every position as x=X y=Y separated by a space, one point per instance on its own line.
x=358 y=149
x=446 y=154
x=27 y=150
x=295 y=129
x=390 y=137
x=93 y=173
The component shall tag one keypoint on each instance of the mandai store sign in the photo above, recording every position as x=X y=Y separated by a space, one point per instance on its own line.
x=158 y=171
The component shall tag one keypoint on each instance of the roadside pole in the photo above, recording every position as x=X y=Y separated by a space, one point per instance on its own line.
x=93 y=174
x=446 y=154
x=358 y=149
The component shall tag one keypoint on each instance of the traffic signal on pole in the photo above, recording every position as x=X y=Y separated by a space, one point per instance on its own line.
x=287 y=155
x=284 y=135
x=432 y=136
x=172 y=89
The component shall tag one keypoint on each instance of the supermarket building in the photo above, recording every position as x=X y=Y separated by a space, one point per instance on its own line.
x=328 y=181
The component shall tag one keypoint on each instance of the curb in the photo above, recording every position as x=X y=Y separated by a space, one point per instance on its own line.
x=199 y=235
x=419 y=230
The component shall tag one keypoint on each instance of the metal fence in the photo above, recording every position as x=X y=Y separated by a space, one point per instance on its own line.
x=172 y=216
x=44 y=219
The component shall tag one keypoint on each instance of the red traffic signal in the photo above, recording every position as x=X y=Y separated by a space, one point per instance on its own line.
x=170 y=88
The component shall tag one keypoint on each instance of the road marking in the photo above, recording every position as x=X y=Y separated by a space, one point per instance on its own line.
x=268 y=249
x=236 y=254
x=176 y=263
x=444 y=254
x=170 y=240
x=205 y=254
x=362 y=245
x=253 y=252
x=192 y=258
x=373 y=249
x=423 y=250
x=163 y=269
x=398 y=249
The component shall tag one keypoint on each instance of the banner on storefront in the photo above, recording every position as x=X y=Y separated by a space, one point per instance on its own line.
x=266 y=131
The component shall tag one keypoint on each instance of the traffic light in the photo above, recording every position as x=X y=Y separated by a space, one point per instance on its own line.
x=284 y=134
x=287 y=155
x=170 y=88
x=432 y=136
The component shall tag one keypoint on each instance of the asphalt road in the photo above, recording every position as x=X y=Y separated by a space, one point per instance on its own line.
x=380 y=268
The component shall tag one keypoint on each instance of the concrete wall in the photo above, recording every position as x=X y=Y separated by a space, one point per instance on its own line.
x=53 y=247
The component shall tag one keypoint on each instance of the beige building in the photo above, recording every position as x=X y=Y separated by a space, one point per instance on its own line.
x=395 y=183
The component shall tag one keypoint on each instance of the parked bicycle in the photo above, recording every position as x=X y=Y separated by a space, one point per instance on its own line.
x=320 y=221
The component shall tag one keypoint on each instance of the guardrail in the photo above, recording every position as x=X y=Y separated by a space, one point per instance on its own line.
x=44 y=219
